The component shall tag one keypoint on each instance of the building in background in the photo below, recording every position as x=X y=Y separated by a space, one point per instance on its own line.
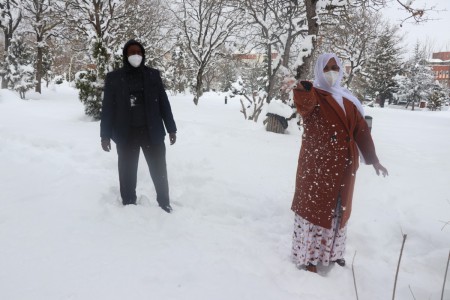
x=253 y=57
x=440 y=64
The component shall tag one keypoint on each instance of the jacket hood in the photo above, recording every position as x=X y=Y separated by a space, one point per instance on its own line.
x=124 y=52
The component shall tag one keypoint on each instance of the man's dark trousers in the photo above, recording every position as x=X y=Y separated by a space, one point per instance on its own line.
x=155 y=155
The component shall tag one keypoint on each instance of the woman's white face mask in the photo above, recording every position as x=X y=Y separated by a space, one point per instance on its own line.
x=331 y=77
x=135 y=60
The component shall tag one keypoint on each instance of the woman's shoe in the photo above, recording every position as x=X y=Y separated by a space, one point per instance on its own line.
x=311 y=268
x=340 y=262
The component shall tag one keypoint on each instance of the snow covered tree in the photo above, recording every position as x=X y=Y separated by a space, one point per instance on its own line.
x=416 y=82
x=227 y=69
x=41 y=16
x=47 y=64
x=291 y=30
x=66 y=58
x=249 y=83
x=90 y=83
x=277 y=28
x=151 y=24
x=252 y=101
x=20 y=71
x=253 y=75
x=383 y=65
x=206 y=26
x=319 y=13
x=353 y=39
x=10 y=18
x=437 y=97
x=179 y=68
x=97 y=22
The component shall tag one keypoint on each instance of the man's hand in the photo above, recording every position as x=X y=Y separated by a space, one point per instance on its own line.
x=172 y=137
x=379 y=168
x=106 y=144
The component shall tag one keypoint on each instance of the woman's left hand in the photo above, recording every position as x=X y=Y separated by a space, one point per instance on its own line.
x=379 y=168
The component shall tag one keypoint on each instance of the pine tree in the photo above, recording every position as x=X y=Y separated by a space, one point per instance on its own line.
x=90 y=83
x=417 y=80
x=10 y=19
x=227 y=71
x=437 y=97
x=384 y=65
x=179 y=69
x=41 y=16
x=20 y=71
x=98 y=22
x=47 y=64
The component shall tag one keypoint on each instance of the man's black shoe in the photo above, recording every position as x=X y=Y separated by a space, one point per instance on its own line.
x=167 y=208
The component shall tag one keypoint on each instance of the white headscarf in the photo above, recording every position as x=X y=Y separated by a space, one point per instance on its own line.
x=336 y=90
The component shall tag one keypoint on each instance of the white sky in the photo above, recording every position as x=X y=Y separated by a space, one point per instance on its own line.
x=435 y=32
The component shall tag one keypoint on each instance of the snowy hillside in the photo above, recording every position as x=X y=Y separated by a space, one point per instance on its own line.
x=65 y=235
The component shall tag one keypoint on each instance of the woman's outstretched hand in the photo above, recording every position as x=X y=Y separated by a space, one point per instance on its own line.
x=288 y=84
x=379 y=168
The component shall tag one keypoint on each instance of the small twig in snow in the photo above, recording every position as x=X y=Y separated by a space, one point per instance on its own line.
x=398 y=265
x=411 y=292
x=354 y=276
x=244 y=111
x=445 y=224
x=445 y=277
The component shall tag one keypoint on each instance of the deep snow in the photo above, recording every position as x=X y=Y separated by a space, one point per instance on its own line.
x=65 y=235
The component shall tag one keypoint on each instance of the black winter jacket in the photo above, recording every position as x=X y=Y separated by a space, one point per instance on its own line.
x=116 y=107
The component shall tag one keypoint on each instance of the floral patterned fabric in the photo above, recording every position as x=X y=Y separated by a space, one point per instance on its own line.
x=312 y=244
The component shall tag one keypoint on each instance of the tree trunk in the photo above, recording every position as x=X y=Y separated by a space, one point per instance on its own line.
x=350 y=75
x=4 y=83
x=285 y=61
x=8 y=38
x=313 y=29
x=38 y=69
x=8 y=30
x=198 y=86
x=269 y=71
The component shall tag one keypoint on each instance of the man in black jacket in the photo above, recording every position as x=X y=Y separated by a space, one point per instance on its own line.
x=135 y=110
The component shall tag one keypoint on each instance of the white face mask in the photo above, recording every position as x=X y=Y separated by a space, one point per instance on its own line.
x=135 y=60
x=331 y=77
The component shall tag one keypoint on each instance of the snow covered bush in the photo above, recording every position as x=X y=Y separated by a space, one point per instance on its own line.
x=47 y=69
x=59 y=79
x=90 y=92
x=254 y=99
x=437 y=98
x=90 y=83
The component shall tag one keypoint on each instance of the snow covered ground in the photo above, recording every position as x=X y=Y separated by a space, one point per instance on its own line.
x=65 y=235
